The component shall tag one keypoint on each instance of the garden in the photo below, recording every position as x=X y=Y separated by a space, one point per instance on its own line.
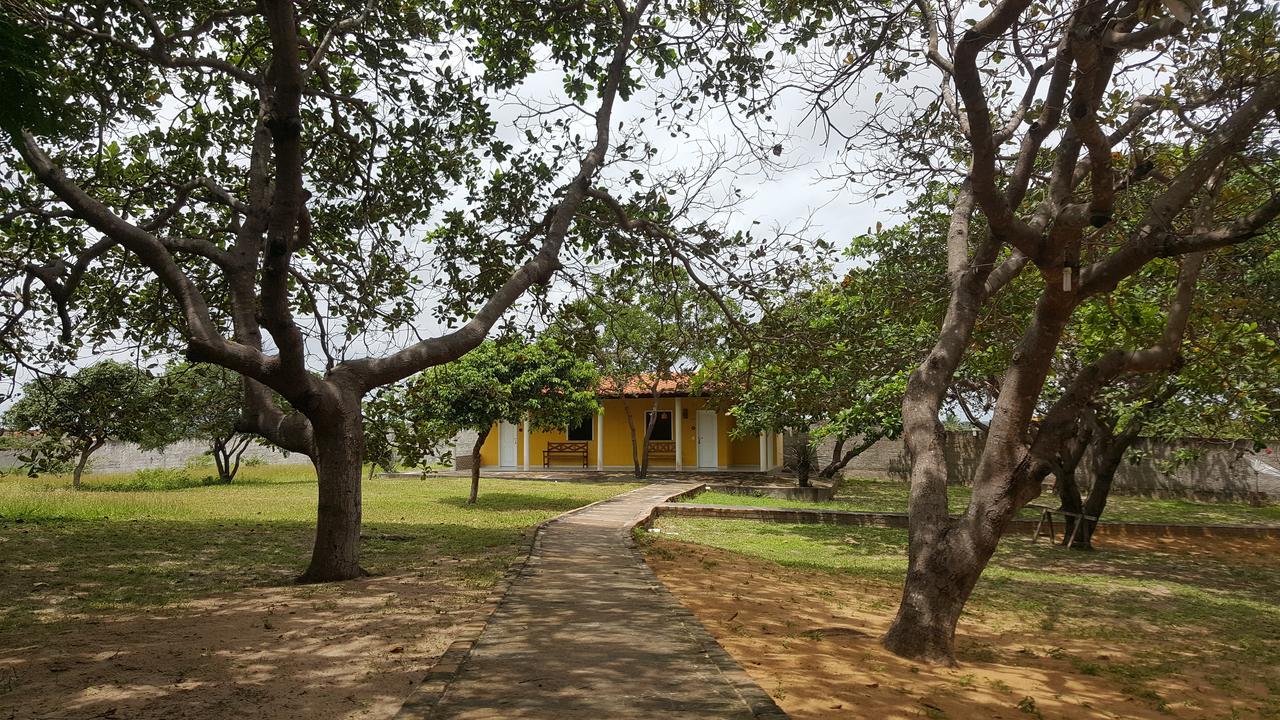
x=295 y=294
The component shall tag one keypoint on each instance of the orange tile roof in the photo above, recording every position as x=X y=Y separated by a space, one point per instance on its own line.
x=643 y=386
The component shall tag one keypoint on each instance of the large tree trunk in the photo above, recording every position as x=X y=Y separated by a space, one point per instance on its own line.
x=944 y=566
x=475 y=465
x=946 y=555
x=1068 y=490
x=1106 y=461
x=339 y=441
x=925 y=623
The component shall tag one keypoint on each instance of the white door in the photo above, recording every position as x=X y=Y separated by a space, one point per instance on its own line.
x=506 y=444
x=707 y=445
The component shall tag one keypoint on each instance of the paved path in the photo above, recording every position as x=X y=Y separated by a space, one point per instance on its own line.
x=587 y=631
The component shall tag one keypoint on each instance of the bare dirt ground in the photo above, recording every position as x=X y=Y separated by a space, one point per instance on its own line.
x=811 y=639
x=353 y=650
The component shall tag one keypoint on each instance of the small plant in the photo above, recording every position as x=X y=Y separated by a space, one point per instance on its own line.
x=1028 y=706
x=802 y=457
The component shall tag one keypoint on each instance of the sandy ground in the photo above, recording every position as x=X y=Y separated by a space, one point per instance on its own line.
x=811 y=639
x=353 y=650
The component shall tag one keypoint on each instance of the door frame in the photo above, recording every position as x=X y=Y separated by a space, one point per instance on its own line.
x=503 y=444
x=715 y=438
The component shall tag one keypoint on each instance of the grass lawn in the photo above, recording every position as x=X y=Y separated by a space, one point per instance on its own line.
x=161 y=555
x=121 y=542
x=1146 y=628
x=891 y=496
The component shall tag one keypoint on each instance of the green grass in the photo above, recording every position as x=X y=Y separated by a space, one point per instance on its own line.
x=1178 y=613
x=130 y=542
x=891 y=496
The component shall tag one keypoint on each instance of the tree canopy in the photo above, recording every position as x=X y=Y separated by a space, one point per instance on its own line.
x=538 y=382
x=77 y=414
x=202 y=402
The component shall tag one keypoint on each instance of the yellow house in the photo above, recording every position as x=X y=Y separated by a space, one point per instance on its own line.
x=688 y=435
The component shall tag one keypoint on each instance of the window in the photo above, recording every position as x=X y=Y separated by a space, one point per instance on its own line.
x=581 y=431
x=662 y=427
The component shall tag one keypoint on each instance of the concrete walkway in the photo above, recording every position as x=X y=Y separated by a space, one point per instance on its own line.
x=586 y=630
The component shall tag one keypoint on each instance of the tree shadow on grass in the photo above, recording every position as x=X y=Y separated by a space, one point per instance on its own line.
x=202 y=619
x=61 y=568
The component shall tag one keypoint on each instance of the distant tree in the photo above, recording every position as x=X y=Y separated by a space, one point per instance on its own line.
x=644 y=328
x=384 y=423
x=499 y=380
x=203 y=402
x=78 y=414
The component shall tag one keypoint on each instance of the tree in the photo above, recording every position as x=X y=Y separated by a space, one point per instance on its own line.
x=645 y=329
x=503 y=380
x=1047 y=122
x=258 y=185
x=203 y=403
x=831 y=360
x=1225 y=383
x=80 y=413
x=1055 y=210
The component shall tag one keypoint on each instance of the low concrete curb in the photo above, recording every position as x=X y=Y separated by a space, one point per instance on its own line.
x=813 y=493
x=899 y=520
x=760 y=702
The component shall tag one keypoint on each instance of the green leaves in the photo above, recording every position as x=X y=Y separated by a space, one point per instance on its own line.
x=499 y=380
x=105 y=401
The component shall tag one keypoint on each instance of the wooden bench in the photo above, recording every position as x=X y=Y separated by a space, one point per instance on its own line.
x=663 y=449
x=1046 y=516
x=575 y=449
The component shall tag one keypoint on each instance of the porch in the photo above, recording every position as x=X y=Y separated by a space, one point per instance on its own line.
x=689 y=436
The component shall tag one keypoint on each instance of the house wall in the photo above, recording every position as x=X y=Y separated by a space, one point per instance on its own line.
x=743 y=452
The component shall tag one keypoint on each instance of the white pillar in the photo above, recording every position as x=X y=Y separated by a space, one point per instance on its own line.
x=600 y=438
x=679 y=435
x=764 y=453
x=526 y=444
